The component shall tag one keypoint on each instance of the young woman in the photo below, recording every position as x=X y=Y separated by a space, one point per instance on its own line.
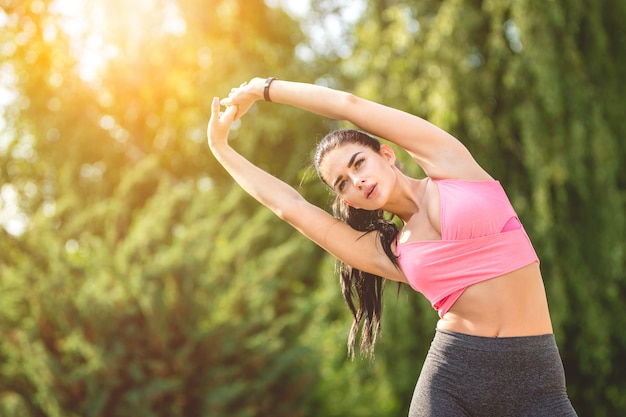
x=461 y=245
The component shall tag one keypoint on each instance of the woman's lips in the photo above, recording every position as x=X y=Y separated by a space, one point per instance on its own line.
x=370 y=191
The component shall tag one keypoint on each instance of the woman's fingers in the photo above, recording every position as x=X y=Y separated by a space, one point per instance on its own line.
x=213 y=121
x=229 y=115
x=220 y=122
x=226 y=116
x=243 y=97
x=237 y=94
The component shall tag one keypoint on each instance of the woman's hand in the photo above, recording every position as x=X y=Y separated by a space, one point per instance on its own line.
x=220 y=122
x=245 y=95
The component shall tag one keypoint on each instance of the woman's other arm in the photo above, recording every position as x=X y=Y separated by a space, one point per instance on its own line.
x=439 y=154
x=337 y=238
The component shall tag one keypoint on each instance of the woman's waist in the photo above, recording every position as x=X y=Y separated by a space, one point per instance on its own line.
x=514 y=304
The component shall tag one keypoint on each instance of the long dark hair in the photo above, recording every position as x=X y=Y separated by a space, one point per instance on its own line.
x=362 y=291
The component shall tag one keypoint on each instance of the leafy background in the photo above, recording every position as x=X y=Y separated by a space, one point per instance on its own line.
x=137 y=279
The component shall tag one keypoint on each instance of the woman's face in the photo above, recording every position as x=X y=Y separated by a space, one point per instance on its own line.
x=361 y=176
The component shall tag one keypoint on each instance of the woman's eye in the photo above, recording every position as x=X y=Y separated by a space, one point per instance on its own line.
x=359 y=162
x=342 y=185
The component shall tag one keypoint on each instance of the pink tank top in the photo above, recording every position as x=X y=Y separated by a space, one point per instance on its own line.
x=481 y=238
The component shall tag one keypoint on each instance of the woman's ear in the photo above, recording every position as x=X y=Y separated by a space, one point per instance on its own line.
x=387 y=152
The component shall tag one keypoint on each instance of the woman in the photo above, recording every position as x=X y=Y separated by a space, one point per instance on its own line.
x=461 y=245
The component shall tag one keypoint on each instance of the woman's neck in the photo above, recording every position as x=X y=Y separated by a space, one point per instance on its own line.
x=407 y=197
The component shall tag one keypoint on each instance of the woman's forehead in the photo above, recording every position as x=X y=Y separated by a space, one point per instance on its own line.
x=341 y=155
x=347 y=150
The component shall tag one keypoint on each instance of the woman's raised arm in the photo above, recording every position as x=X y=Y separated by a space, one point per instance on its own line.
x=438 y=153
x=336 y=237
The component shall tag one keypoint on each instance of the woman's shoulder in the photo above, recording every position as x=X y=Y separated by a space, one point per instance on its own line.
x=456 y=169
x=462 y=185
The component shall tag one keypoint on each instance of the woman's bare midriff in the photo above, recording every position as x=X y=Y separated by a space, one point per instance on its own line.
x=514 y=304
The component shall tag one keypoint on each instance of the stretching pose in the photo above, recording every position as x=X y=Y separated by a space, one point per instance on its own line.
x=461 y=245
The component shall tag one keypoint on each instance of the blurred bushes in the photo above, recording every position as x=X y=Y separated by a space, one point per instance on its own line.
x=146 y=324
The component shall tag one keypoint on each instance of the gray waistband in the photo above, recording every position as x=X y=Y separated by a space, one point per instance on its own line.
x=494 y=343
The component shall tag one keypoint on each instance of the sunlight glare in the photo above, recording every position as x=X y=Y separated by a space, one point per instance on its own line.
x=12 y=219
x=104 y=30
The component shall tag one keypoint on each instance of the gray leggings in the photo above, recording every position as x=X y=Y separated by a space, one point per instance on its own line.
x=466 y=375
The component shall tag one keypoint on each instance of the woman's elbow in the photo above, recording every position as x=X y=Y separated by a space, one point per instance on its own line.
x=290 y=209
x=346 y=106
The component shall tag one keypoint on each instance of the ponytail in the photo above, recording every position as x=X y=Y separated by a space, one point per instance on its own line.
x=362 y=287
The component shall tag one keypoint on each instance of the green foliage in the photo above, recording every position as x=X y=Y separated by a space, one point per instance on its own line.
x=150 y=325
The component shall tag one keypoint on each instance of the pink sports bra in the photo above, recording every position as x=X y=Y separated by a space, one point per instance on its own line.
x=481 y=238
